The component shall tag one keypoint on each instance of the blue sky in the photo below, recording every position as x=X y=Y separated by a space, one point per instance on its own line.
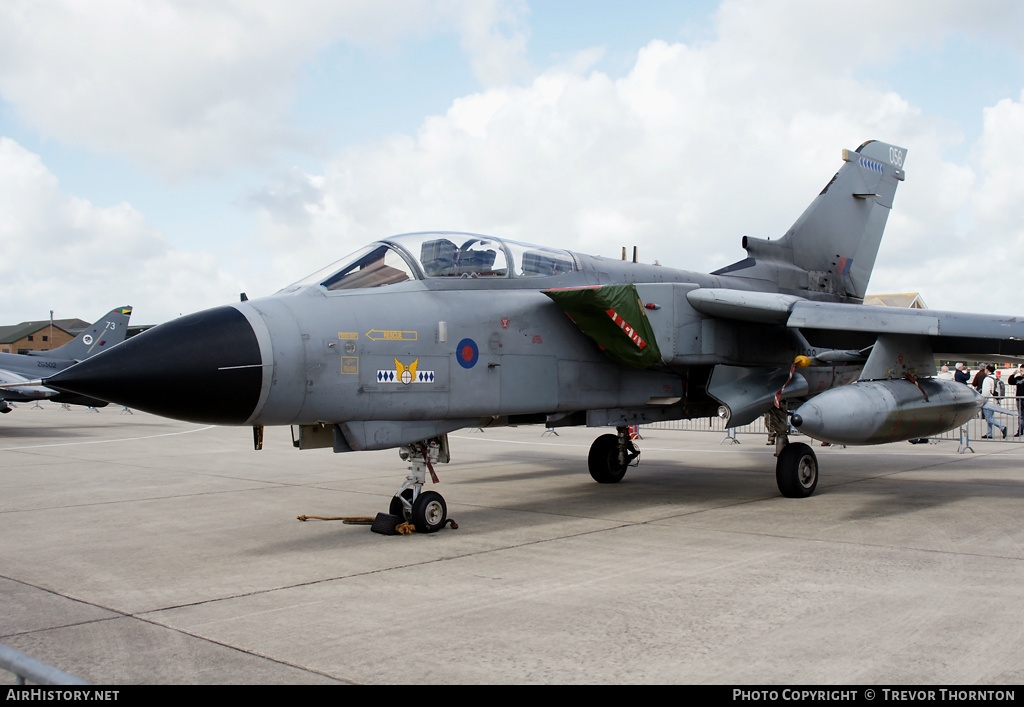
x=169 y=155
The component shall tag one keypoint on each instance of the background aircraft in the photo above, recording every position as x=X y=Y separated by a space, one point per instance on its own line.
x=418 y=335
x=18 y=372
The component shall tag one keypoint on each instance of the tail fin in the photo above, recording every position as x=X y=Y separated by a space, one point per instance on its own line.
x=104 y=333
x=832 y=246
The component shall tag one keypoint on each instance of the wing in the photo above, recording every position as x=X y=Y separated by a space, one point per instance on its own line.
x=838 y=326
x=954 y=333
x=896 y=395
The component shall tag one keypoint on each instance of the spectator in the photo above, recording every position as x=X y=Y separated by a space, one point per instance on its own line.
x=1017 y=379
x=979 y=378
x=989 y=390
x=962 y=375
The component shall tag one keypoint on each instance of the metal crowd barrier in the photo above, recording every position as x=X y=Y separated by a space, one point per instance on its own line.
x=26 y=668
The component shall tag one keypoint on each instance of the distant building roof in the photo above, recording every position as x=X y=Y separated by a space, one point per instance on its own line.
x=17 y=332
x=907 y=300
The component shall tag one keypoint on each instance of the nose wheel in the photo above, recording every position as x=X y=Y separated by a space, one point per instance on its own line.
x=401 y=504
x=425 y=510
x=429 y=512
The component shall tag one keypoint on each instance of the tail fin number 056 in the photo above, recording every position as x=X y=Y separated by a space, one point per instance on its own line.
x=896 y=156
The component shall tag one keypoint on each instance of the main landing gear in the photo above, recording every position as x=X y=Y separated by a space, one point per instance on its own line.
x=796 y=468
x=610 y=455
x=426 y=510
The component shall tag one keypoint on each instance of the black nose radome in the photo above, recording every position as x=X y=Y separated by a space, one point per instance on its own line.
x=205 y=367
x=796 y=420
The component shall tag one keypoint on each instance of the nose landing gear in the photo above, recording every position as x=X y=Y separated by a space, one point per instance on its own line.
x=425 y=510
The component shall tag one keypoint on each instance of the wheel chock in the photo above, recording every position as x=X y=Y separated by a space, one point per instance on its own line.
x=385 y=524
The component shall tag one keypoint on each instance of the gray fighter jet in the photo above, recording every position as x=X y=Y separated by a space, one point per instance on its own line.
x=418 y=335
x=20 y=373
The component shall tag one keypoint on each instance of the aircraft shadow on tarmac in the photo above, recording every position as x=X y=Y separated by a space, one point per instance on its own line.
x=80 y=430
x=900 y=497
x=681 y=489
x=651 y=493
x=17 y=432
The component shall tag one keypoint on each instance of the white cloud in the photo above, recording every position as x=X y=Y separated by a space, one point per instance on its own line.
x=963 y=232
x=495 y=36
x=181 y=88
x=809 y=37
x=66 y=254
x=999 y=201
x=695 y=147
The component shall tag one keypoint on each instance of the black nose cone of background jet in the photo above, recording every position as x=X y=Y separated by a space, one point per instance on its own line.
x=204 y=367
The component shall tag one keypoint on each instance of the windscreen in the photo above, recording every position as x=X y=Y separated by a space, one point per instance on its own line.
x=380 y=266
x=373 y=266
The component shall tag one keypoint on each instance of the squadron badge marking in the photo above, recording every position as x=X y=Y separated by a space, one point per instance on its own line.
x=405 y=374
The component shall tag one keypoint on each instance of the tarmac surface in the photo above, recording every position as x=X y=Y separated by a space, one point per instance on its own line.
x=137 y=550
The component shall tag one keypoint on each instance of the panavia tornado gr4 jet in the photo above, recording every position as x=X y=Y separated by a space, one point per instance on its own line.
x=418 y=335
x=20 y=373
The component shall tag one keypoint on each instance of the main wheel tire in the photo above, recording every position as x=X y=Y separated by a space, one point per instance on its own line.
x=796 y=471
x=430 y=512
x=397 y=508
x=603 y=460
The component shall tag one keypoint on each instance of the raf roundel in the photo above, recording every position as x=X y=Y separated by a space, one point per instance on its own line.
x=467 y=353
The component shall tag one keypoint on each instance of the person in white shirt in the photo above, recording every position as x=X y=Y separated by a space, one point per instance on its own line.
x=988 y=389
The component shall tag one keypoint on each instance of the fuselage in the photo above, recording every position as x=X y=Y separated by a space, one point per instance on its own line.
x=439 y=327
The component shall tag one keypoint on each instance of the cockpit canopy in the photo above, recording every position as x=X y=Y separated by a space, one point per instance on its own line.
x=417 y=256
